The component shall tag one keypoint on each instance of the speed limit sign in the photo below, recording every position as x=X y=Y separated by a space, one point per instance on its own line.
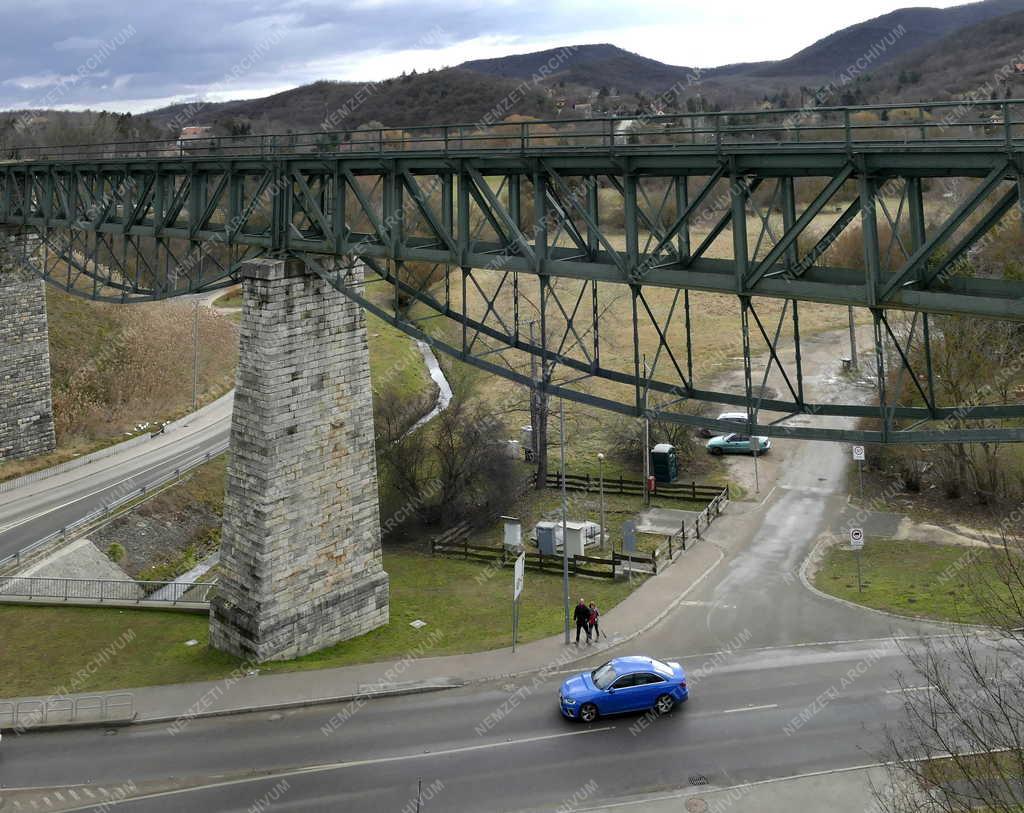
x=857 y=537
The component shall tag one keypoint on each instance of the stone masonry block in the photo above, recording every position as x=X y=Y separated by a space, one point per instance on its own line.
x=300 y=551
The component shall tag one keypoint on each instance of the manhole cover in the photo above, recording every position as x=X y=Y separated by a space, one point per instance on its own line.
x=698 y=779
x=696 y=805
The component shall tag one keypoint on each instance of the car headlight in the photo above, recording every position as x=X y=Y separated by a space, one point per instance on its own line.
x=569 y=701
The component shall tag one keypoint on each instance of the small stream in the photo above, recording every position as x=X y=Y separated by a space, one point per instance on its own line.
x=444 y=389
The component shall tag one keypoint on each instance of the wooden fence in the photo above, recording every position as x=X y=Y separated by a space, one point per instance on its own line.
x=455 y=542
x=693 y=491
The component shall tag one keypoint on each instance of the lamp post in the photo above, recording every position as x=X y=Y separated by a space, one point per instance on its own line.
x=565 y=508
x=600 y=468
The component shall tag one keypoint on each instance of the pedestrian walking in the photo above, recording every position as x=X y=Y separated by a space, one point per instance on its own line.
x=581 y=615
x=593 y=622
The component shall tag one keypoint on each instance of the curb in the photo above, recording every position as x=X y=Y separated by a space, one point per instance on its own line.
x=865 y=608
x=300 y=704
x=613 y=642
x=120 y=722
x=406 y=690
x=109 y=451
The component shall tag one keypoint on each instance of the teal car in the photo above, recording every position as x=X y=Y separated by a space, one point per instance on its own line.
x=738 y=444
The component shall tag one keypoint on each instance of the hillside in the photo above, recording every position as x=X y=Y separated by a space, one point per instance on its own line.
x=967 y=61
x=435 y=97
x=593 y=66
x=920 y=27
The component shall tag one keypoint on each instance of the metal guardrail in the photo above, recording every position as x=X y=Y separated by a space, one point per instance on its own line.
x=675 y=544
x=28 y=714
x=99 y=454
x=973 y=122
x=119 y=590
x=106 y=510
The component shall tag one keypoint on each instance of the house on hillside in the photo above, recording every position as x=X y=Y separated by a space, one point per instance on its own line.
x=583 y=109
x=189 y=135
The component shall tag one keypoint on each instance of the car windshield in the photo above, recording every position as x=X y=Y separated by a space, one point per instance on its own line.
x=604 y=676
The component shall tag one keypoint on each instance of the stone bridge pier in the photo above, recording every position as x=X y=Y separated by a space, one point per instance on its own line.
x=300 y=556
x=26 y=400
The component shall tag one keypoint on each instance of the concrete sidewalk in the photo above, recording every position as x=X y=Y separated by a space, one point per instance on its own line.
x=847 y=790
x=246 y=690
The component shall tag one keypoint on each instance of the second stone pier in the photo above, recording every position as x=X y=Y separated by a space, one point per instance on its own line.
x=300 y=556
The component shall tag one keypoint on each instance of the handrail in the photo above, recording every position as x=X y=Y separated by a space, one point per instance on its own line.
x=105 y=510
x=605 y=132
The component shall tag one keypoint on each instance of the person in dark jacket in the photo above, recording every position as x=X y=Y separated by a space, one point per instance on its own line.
x=581 y=615
x=595 y=615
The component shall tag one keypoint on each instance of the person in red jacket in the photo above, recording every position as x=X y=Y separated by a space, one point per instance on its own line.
x=592 y=622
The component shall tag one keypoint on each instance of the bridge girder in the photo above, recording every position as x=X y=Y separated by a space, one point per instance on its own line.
x=134 y=230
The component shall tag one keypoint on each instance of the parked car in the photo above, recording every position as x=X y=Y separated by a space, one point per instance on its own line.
x=738 y=444
x=731 y=417
x=622 y=685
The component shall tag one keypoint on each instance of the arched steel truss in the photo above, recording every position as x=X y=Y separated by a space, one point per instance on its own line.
x=494 y=239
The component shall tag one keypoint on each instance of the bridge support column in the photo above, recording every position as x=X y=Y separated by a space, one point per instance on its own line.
x=300 y=554
x=26 y=400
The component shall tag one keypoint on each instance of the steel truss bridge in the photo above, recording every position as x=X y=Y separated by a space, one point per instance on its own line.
x=592 y=246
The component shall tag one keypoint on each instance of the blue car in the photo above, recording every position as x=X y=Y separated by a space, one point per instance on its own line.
x=623 y=685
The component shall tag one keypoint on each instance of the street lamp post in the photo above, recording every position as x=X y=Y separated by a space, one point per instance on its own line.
x=565 y=508
x=600 y=466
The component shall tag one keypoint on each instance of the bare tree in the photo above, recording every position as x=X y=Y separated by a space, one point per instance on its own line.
x=960 y=746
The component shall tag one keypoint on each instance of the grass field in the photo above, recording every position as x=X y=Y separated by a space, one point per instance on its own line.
x=466 y=607
x=910 y=578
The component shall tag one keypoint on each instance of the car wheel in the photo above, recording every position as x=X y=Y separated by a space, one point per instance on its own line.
x=664 y=704
x=588 y=712
x=715 y=450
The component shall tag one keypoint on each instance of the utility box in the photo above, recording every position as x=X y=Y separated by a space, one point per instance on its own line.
x=513 y=538
x=546 y=538
x=664 y=464
x=575 y=538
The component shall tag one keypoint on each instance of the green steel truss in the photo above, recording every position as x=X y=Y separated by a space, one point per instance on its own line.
x=568 y=238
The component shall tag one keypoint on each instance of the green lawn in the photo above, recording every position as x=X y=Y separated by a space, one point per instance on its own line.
x=466 y=605
x=910 y=578
x=232 y=299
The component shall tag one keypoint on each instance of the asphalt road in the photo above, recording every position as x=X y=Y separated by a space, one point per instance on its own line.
x=497 y=747
x=33 y=512
x=783 y=682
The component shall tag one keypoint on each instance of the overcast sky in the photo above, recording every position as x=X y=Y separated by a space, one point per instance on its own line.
x=136 y=55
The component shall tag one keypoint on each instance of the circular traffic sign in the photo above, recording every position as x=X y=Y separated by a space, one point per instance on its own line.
x=856 y=535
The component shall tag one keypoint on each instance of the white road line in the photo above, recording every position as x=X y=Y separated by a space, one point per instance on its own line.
x=109 y=487
x=752 y=708
x=910 y=689
x=358 y=763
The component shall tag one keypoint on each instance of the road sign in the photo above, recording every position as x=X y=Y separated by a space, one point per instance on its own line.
x=629 y=536
x=858 y=452
x=520 y=571
x=857 y=538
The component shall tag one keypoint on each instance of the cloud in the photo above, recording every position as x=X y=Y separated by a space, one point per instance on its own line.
x=191 y=48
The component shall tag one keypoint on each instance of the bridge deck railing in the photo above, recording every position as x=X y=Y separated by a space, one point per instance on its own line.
x=964 y=122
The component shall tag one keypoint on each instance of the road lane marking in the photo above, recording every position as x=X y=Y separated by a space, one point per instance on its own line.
x=752 y=708
x=110 y=487
x=910 y=689
x=358 y=763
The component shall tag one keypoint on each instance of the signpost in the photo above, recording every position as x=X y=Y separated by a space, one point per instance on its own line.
x=857 y=543
x=629 y=544
x=858 y=455
x=518 y=577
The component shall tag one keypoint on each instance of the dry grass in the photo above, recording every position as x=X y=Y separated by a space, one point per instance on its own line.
x=115 y=367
